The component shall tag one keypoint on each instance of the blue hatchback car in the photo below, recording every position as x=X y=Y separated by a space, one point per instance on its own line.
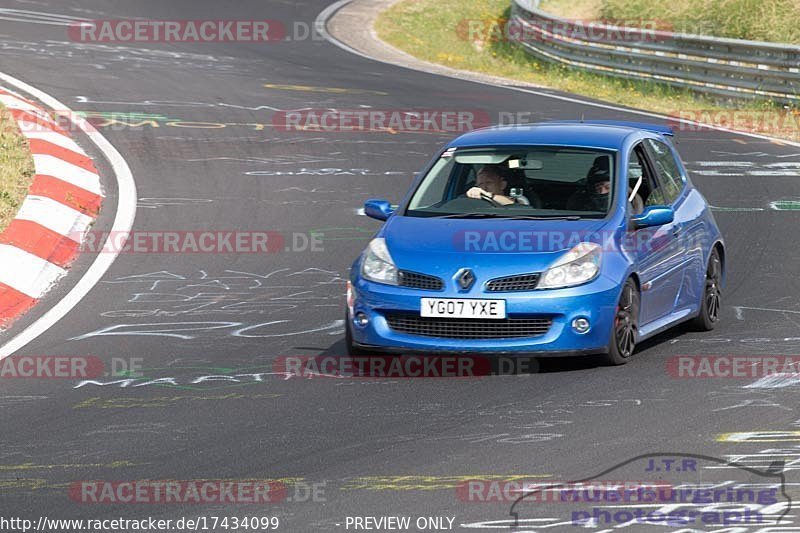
x=558 y=238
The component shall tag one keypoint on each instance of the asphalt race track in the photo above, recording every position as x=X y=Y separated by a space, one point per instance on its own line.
x=370 y=447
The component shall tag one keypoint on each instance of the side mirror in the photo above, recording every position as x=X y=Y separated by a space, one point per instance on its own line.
x=378 y=209
x=654 y=216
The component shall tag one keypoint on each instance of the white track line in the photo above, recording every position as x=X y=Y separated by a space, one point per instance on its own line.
x=123 y=222
x=320 y=24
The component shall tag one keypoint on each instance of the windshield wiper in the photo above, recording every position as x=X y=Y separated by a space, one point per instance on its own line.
x=535 y=217
x=468 y=215
x=507 y=217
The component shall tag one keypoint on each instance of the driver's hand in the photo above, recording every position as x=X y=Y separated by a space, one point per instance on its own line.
x=476 y=192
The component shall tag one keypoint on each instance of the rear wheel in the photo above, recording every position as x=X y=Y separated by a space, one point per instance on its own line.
x=626 y=321
x=712 y=295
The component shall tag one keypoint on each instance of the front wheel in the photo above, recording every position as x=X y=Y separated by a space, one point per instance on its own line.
x=712 y=295
x=626 y=320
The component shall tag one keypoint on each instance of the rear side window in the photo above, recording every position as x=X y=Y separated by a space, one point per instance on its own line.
x=669 y=174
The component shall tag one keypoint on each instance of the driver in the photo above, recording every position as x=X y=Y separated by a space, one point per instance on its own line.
x=491 y=184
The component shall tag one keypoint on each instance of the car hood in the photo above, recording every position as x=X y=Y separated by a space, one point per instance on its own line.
x=442 y=246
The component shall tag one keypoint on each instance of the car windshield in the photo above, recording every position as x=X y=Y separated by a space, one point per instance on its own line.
x=519 y=182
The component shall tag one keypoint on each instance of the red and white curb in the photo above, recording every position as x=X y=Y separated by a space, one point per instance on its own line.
x=62 y=203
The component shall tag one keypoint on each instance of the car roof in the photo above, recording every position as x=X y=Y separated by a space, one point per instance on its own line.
x=608 y=135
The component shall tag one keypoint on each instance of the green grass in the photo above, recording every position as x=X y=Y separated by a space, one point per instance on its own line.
x=573 y=9
x=758 y=20
x=437 y=31
x=16 y=168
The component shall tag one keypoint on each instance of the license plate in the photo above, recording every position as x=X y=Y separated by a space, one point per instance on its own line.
x=462 y=308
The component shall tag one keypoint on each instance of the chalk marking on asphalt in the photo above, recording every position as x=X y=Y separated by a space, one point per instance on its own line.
x=313 y=89
x=34 y=466
x=736 y=209
x=739 y=309
x=775 y=381
x=163 y=401
x=38 y=17
x=123 y=222
x=416 y=482
x=755 y=154
x=760 y=436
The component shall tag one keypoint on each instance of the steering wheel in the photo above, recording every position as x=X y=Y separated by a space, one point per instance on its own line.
x=490 y=200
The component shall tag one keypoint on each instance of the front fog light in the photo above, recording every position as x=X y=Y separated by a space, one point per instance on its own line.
x=581 y=325
x=361 y=320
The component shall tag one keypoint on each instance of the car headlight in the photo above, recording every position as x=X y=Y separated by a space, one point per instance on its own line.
x=377 y=264
x=579 y=265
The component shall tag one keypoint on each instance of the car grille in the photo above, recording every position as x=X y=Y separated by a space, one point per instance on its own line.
x=420 y=281
x=461 y=328
x=523 y=282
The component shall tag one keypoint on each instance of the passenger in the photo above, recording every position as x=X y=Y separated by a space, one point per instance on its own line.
x=596 y=196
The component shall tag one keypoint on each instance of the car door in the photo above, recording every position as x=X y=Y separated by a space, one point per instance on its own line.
x=656 y=250
x=688 y=224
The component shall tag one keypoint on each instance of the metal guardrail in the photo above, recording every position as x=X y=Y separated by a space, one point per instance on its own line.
x=727 y=67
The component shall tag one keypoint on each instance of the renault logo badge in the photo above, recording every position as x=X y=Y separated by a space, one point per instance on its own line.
x=465 y=278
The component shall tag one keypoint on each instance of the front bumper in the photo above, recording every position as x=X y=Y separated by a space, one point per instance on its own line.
x=596 y=301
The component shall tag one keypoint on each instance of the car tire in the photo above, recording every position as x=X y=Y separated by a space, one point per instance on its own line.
x=624 y=327
x=708 y=317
